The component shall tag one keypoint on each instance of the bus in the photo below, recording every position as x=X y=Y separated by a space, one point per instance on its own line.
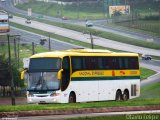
x=81 y=75
x=4 y=22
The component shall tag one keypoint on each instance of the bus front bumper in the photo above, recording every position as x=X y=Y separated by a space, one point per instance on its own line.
x=38 y=99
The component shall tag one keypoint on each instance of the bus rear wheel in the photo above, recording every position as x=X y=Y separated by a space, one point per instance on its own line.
x=118 y=95
x=125 y=96
x=72 y=98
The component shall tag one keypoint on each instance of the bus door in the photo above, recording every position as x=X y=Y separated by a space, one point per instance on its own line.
x=66 y=73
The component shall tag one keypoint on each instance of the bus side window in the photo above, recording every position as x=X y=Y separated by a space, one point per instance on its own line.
x=66 y=73
x=91 y=63
x=77 y=63
x=133 y=64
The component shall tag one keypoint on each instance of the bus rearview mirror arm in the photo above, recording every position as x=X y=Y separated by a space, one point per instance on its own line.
x=59 y=75
x=23 y=74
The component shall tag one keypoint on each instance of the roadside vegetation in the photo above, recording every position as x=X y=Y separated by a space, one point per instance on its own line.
x=25 y=51
x=81 y=10
x=146 y=26
x=150 y=91
x=115 y=117
x=119 y=117
x=143 y=17
x=145 y=73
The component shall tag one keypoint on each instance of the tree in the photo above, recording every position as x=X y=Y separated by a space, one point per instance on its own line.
x=5 y=78
x=4 y=74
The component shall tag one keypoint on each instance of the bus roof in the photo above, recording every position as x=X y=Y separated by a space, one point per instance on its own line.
x=81 y=52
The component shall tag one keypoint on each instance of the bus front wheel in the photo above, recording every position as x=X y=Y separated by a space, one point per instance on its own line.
x=72 y=97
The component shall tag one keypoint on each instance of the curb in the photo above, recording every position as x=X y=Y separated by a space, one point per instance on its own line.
x=77 y=111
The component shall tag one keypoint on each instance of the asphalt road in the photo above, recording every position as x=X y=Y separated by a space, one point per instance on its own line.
x=29 y=37
x=98 y=24
x=85 y=37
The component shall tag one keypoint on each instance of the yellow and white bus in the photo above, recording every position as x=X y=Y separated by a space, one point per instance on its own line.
x=81 y=75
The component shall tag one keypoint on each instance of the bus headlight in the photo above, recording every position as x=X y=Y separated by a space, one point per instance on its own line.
x=30 y=95
x=54 y=94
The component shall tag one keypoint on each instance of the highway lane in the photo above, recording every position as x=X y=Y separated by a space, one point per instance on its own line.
x=29 y=37
x=98 y=24
x=151 y=64
x=85 y=37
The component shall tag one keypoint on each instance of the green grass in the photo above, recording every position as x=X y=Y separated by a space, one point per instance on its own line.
x=117 y=117
x=94 y=11
x=143 y=25
x=56 y=106
x=145 y=73
x=150 y=116
x=151 y=91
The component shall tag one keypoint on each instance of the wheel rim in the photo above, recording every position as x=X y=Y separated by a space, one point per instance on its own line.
x=71 y=99
x=118 y=96
x=125 y=96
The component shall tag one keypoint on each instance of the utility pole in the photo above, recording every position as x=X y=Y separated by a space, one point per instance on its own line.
x=33 y=51
x=10 y=71
x=49 y=42
x=15 y=51
x=18 y=52
x=61 y=9
x=91 y=40
x=78 y=4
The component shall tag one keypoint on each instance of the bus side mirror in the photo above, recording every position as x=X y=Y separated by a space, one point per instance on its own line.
x=23 y=74
x=59 y=75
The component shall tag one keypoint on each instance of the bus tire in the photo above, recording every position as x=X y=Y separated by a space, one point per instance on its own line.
x=118 y=95
x=72 y=97
x=125 y=95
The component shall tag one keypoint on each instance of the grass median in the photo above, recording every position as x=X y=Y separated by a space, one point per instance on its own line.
x=145 y=73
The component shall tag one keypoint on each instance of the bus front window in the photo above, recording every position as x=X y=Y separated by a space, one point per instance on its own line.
x=45 y=81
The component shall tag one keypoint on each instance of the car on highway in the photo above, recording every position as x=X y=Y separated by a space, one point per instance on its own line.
x=89 y=24
x=28 y=21
x=146 y=57
x=64 y=18
x=3 y=0
x=10 y=16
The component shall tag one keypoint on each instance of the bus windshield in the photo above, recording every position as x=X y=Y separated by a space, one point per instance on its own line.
x=43 y=81
x=44 y=64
